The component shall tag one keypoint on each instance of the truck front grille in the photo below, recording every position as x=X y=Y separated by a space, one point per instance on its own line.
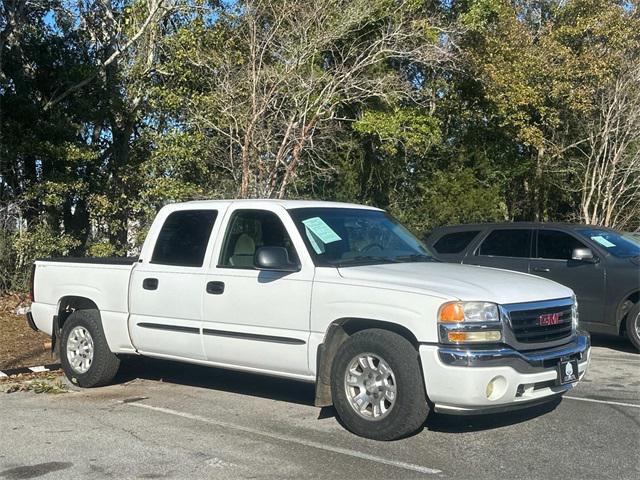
x=529 y=327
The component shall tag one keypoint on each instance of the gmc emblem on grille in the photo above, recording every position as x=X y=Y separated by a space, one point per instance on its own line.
x=548 y=319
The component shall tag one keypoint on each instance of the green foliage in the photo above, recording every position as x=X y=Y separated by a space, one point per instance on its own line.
x=39 y=241
x=494 y=130
x=7 y=261
x=101 y=249
x=403 y=129
x=449 y=197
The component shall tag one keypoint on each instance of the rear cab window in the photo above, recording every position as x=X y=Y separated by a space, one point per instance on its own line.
x=184 y=237
x=506 y=242
x=455 y=242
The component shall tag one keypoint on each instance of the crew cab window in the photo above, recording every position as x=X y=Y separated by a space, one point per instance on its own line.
x=507 y=243
x=454 y=242
x=249 y=230
x=553 y=244
x=184 y=237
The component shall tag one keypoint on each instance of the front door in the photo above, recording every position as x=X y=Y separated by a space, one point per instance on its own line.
x=258 y=319
x=508 y=248
x=553 y=261
x=166 y=290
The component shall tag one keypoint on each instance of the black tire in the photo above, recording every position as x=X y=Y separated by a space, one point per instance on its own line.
x=633 y=325
x=104 y=364
x=410 y=408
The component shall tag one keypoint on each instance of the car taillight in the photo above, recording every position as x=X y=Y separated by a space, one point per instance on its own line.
x=31 y=283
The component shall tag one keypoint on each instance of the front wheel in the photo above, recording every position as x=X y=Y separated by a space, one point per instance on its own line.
x=377 y=385
x=633 y=325
x=84 y=352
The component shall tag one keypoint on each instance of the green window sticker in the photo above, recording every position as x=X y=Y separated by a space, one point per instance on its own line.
x=315 y=242
x=319 y=233
x=603 y=241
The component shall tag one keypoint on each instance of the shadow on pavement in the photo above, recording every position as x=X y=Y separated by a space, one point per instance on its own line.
x=438 y=422
x=216 y=379
x=613 y=342
x=299 y=392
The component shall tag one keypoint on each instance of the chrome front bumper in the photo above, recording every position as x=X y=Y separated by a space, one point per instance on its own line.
x=470 y=380
x=524 y=362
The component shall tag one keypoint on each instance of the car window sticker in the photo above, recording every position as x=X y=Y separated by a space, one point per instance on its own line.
x=603 y=241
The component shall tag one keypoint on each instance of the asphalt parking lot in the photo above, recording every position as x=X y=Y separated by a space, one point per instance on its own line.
x=168 y=420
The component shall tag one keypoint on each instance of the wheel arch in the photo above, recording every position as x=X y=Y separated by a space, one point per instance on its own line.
x=624 y=307
x=338 y=332
x=66 y=306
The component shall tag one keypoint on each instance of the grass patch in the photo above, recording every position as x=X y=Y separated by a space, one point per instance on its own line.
x=49 y=384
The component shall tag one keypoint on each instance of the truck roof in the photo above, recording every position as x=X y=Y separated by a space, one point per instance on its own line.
x=288 y=204
x=567 y=225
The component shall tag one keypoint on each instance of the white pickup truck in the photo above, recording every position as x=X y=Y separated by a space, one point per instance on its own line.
x=336 y=294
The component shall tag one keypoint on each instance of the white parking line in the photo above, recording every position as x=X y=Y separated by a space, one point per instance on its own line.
x=287 y=438
x=608 y=402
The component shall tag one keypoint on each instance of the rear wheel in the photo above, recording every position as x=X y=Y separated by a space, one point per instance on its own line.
x=633 y=325
x=377 y=385
x=84 y=352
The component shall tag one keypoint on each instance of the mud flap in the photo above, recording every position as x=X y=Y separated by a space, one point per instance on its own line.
x=55 y=335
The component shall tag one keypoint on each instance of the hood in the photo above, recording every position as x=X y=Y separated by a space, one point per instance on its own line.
x=457 y=281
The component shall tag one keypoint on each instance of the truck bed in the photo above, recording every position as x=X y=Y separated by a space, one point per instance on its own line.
x=104 y=280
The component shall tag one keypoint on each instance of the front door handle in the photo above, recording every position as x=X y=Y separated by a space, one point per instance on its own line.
x=150 y=283
x=215 y=288
x=541 y=269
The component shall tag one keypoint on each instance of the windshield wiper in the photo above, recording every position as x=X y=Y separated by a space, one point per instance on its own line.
x=365 y=259
x=415 y=257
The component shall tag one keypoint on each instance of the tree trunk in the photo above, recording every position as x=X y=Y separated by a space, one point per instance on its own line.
x=538 y=187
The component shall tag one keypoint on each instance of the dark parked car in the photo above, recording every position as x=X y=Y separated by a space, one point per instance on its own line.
x=599 y=264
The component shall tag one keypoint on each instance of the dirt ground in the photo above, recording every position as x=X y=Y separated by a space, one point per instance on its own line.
x=19 y=345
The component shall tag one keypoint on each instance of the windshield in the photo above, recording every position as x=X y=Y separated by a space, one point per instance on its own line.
x=613 y=242
x=342 y=237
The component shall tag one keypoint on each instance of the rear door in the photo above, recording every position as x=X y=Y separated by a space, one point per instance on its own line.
x=552 y=260
x=504 y=247
x=166 y=290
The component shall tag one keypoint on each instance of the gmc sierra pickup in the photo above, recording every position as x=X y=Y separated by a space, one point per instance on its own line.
x=336 y=294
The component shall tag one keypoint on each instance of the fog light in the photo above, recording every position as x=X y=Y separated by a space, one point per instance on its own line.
x=489 y=389
x=485 y=336
x=496 y=388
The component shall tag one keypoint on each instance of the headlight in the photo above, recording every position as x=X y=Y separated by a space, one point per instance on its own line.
x=456 y=312
x=469 y=322
x=574 y=313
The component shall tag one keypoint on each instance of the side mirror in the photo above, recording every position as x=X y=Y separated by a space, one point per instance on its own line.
x=275 y=259
x=583 y=255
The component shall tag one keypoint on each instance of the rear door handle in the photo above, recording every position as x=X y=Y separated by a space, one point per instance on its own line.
x=215 y=288
x=150 y=283
x=541 y=269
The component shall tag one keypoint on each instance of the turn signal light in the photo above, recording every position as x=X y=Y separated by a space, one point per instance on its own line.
x=485 y=336
x=451 y=313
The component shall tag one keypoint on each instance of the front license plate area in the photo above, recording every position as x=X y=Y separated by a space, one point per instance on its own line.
x=567 y=372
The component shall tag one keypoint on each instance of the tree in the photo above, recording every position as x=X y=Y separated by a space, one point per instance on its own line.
x=610 y=164
x=539 y=67
x=270 y=79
